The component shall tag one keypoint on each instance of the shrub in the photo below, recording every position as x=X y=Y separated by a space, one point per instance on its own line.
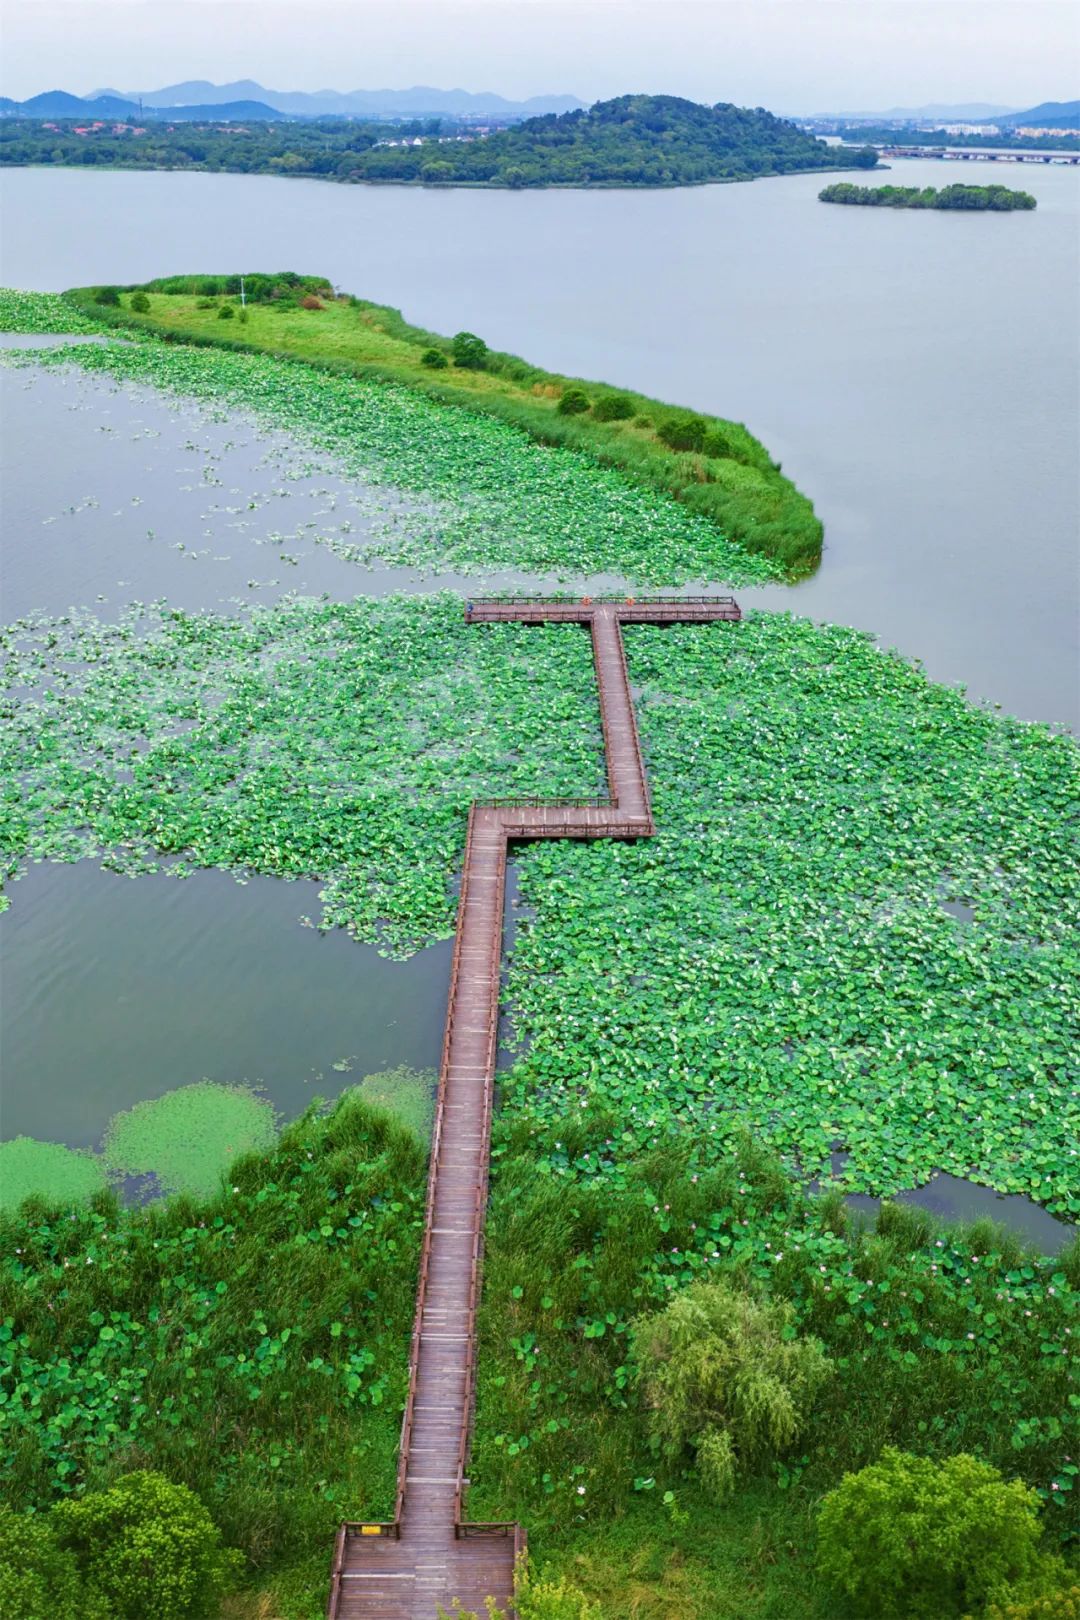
x=139 y=303
x=309 y=301
x=470 y=352
x=242 y=315
x=921 y=1540
x=723 y=1374
x=149 y=1546
x=536 y=1600
x=205 y=303
x=435 y=359
x=613 y=408
x=716 y=443
x=554 y=1600
x=574 y=402
x=107 y=295
x=226 y=312
x=1063 y=1603
x=40 y=1580
x=683 y=432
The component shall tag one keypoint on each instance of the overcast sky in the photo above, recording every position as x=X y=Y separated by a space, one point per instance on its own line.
x=790 y=55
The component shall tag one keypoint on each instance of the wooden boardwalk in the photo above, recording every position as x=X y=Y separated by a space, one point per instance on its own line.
x=429 y=1554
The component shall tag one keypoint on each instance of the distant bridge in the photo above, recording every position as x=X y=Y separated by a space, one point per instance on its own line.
x=978 y=154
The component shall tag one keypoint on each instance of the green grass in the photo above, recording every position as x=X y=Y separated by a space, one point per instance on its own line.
x=742 y=492
x=748 y=1559
x=940 y=1339
x=252 y=1345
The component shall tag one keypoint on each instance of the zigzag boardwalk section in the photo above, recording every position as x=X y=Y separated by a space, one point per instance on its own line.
x=429 y=1554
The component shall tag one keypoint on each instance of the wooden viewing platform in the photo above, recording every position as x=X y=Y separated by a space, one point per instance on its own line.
x=429 y=1554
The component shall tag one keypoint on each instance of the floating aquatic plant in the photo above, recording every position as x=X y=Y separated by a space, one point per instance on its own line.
x=777 y=957
x=503 y=501
x=38 y=312
x=188 y=1138
x=49 y=1170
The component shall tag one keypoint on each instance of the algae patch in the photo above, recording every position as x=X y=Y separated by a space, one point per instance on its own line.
x=188 y=1138
x=60 y=1174
x=408 y=1094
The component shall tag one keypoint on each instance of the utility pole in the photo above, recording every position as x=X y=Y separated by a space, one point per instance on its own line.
x=243 y=300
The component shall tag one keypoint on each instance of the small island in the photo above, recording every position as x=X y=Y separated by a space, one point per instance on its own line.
x=992 y=199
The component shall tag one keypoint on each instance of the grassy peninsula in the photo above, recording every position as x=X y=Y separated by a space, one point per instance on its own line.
x=714 y=468
x=959 y=198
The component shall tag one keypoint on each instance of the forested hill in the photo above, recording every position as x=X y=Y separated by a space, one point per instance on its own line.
x=629 y=141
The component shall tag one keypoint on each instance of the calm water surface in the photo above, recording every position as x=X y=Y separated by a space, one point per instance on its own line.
x=916 y=374
x=116 y=989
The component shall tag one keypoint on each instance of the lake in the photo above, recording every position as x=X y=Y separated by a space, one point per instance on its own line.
x=915 y=373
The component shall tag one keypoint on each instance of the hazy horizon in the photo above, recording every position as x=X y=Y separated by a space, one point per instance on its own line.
x=794 y=56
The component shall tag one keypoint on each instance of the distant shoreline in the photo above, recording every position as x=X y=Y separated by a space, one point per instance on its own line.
x=441 y=185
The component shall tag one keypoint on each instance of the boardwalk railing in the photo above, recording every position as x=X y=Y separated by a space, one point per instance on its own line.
x=599 y=801
x=569 y=600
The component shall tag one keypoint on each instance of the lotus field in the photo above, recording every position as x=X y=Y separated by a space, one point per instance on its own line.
x=856 y=933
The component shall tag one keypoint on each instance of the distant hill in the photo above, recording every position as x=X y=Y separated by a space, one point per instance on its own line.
x=974 y=112
x=629 y=141
x=59 y=104
x=108 y=105
x=1047 y=115
x=226 y=111
x=417 y=101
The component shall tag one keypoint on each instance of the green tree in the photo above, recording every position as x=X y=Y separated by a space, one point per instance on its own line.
x=725 y=1376
x=139 y=303
x=149 y=1546
x=470 y=352
x=912 y=1539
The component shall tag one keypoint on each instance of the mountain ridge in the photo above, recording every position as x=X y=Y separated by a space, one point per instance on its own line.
x=352 y=103
x=1049 y=114
x=108 y=105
